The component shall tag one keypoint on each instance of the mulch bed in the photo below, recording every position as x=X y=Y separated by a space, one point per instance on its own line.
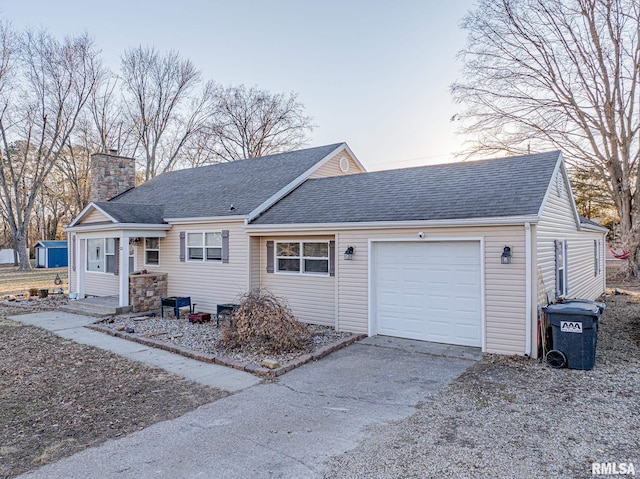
x=58 y=397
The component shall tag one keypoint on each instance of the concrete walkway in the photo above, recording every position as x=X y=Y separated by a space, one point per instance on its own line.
x=287 y=428
x=71 y=326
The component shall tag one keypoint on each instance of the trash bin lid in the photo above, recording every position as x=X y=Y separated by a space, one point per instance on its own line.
x=574 y=307
x=601 y=306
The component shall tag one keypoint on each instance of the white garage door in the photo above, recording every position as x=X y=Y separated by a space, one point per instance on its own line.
x=429 y=291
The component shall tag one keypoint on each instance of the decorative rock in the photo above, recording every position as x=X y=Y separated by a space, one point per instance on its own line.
x=129 y=330
x=270 y=363
x=11 y=297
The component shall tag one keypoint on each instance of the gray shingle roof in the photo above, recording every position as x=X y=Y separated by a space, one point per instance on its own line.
x=132 y=213
x=480 y=189
x=211 y=190
x=587 y=221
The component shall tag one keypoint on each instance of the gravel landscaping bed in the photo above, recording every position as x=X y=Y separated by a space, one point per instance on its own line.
x=58 y=397
x=205 y=338
x=20 y=302
x=517 y=417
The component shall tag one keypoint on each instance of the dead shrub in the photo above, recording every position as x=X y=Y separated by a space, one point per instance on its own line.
x=265 y=323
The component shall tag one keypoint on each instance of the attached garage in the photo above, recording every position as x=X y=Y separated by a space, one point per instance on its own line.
x=429 y=291
x=459 y=253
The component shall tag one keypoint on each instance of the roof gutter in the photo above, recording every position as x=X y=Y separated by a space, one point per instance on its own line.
x=497 y=221
x=116 y=227
x=206 y=219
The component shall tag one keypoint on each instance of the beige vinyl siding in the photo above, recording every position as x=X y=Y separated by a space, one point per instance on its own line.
x=557 y=222
x=581 y=256
x=332 y=167
x=100 y=284
x=95 y=216
x=504 y=285
x=311 y=297
x=207 y=283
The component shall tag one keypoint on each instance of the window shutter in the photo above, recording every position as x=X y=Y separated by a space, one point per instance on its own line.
x=225 y=246
x=270 y=257
x=117 y=257
x=557 y=251
x=73 y=252
x=565 y=258
x=332 y=258
x=182 y=246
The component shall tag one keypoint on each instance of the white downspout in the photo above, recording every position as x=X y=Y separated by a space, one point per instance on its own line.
x=528 y=316
x=603 y=262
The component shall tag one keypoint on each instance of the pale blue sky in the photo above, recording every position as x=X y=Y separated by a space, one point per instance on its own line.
x=372 y=73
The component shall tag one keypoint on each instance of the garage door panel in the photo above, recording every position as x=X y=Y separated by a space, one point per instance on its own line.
x=429 y=291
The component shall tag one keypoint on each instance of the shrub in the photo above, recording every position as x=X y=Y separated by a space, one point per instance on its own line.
x=265 y=323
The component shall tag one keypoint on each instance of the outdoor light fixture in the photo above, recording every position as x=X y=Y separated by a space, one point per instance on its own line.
x=506 y=255
x=348 y=253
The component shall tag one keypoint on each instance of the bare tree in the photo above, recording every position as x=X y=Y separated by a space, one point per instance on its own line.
x=106 y=123
x=250 y=122
x=561 y=74
x=74 y=170
x=165 y=107
x=44 y=85
x=591 y=195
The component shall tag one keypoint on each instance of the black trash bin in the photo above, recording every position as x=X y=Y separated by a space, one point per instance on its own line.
x=574 y=327
x=601 y=306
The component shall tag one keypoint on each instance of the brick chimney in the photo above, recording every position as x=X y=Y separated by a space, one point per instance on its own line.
x=111 y=175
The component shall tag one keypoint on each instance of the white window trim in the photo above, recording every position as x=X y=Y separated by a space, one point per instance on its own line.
x=204 y=247
x=597 y=246
x=104 y=257
x=300 y=258
x=151 y=249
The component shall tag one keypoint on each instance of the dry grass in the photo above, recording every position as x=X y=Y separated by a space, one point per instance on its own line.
x=13 y=281
x=614 y=282
x=58 y=397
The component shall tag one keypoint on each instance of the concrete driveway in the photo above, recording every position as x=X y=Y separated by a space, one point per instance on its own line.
x=283 y=429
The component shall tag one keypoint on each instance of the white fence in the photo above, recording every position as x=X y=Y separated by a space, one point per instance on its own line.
x=6 y=256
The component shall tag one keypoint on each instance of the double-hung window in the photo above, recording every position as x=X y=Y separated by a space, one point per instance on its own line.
x=204 y=246
x=152 y=251
x=597 y=247
x=302 y=257
x=101 y=255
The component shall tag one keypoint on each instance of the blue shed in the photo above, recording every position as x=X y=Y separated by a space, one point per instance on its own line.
x=51 y=254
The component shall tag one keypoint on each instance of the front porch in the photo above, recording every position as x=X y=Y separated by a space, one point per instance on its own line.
x=103 y=255
x=97 y=306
